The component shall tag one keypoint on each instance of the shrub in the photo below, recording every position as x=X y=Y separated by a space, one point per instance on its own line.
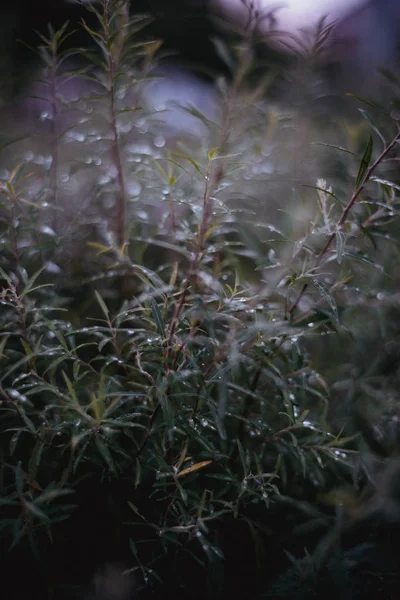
x=188 y=333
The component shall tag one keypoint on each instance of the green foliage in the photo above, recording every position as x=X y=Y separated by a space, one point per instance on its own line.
x=178 y=358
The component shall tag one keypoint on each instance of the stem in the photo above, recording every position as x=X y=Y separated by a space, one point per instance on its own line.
x=213 y=177
x=345 y=212
x=117 y=156
x=114 y=62
x=54 y=135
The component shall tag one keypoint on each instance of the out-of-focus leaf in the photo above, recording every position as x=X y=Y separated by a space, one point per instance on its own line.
x=365 y=162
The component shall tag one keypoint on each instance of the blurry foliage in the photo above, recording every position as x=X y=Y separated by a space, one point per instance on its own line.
x=194 y=333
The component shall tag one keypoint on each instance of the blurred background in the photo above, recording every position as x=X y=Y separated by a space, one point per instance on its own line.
x=366 y=36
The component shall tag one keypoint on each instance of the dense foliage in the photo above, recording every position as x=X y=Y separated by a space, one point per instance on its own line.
x=199 y=332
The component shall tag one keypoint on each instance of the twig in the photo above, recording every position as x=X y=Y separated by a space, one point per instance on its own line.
x=345 y=212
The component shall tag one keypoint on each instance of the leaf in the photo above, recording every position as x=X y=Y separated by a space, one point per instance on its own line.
x=136 y=510
x=368 y=235
x=27 y=421
x=212 y=153
x=35 y=459
x=340 y=245
x=19 y=479
x=71 y=389
x=101 y=248
x=195 y=467
x=327 y=296
x=129 y=109
x=222 y=405
x=14 y=440
x=368 y=118
x=16 y=173
x=103 y=305
x=160 y=169
x=138 y=473
x=35 y=511
x=340 y=148
x=183 y=454
x=390 y=184
x=172 y=279
x=224 y=54
x=366 y=159
x=193 y=163
x=58 y=334
x=6 y=277
x=105 y=453
x=242 y=457
x=365 y=259
x=27 y=348
x=157 y=316
x=368 y=102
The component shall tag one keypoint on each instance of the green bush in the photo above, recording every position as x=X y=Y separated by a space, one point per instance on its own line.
x=198 y=338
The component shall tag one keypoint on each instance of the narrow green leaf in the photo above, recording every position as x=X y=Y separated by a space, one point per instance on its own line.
x=365 y=161
x=157 y=316
x=242 y=457
x=27 y=348
x=14 y=440
x=224 y=54
x=368 y=118
x=103 y=305
x=19 y=479
x=105 y=453
x=70 y=387
x=340 y=148
x=5 y=277
x=35 y=459
x=31 y=281
x=35 y=511
x=138 y=473
x=212 y=153
x=367 y=234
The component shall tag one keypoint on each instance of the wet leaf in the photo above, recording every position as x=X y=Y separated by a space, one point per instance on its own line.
x=195 y=467
x=365 y=162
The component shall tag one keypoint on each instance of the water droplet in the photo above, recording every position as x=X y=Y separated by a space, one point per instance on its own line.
x=125 y=127
x=52 y=267
x=78 y=136
x=140 y=149
x=159 y=141
x=17 y=396
x=142 y=126
x=47 y=230
x=134 y=188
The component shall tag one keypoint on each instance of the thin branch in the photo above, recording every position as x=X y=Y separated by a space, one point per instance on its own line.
x=345 y=212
